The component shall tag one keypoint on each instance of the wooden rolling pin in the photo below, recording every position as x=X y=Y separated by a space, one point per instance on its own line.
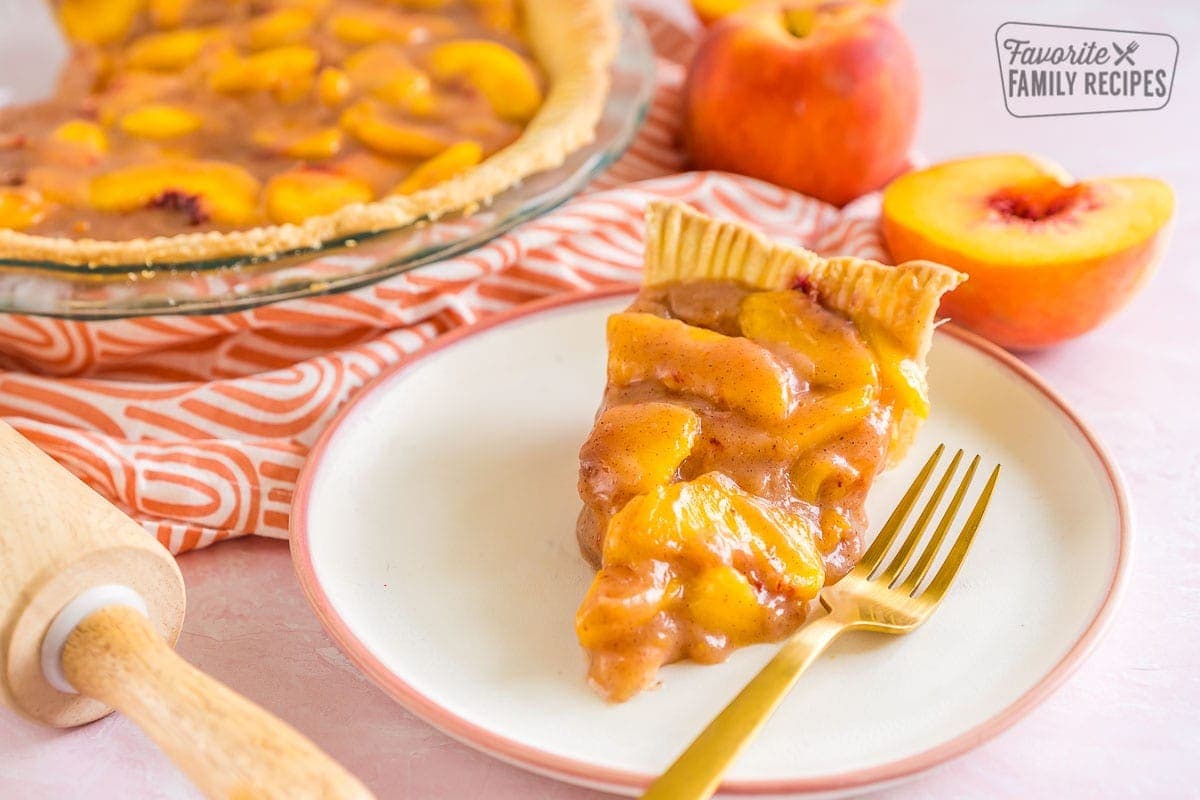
x=89 y=608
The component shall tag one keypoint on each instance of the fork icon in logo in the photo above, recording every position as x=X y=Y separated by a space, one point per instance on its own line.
x=1125 y=55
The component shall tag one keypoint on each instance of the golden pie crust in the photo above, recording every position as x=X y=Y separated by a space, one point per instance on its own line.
x=574 y=42
x=683 y=245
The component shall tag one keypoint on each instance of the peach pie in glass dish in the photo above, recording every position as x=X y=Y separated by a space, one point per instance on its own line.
x=754 y=391
x=183 y=130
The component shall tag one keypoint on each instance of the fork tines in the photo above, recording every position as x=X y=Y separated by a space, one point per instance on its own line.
x=892 y=572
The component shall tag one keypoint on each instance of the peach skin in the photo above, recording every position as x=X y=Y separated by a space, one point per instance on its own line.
x=709 y=11
x=1049 y=258
x=818 y=97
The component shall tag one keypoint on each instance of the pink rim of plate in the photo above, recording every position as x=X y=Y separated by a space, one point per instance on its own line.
x=581 y=772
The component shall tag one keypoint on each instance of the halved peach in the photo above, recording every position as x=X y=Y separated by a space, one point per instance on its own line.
x=731 y=371
x=1049 y=258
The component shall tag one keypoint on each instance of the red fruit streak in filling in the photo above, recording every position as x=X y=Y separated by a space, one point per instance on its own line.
x=188 y=204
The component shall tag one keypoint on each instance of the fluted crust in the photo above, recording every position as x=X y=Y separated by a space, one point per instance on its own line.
x=682 y=244
x=574 y=42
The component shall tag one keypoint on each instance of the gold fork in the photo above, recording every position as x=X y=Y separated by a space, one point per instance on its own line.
x=875 y=596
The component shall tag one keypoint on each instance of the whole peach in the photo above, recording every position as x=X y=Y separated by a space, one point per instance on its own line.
x=818 y=97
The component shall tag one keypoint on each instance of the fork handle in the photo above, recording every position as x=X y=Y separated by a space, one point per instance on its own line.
x=696 y=774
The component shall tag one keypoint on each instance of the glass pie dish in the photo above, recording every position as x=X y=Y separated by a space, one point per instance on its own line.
x=230 y=284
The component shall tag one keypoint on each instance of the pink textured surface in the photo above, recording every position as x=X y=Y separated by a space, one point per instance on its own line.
x=1125 y=725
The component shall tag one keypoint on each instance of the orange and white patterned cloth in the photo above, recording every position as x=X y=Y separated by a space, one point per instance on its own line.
x=198 y=425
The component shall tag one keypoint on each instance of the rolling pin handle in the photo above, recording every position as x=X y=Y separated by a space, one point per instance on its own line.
x=84 y=605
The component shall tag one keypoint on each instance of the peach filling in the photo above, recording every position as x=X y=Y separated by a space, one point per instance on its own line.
x=690 y=569
x=723 y=481
x=385 y=97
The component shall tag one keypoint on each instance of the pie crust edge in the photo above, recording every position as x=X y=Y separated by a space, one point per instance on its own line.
x=574 y=42
x=683 y=244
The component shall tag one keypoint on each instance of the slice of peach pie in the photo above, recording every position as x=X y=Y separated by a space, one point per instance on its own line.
x=754 y=391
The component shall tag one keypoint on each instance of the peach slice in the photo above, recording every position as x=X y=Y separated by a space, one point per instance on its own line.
x=499 y=15
x=130 y=89
x=634 y=448
x=205 y=189
x=21 y=207
x=368 y=26
x=160 y=121
x=366 y=122
x=285 y=26
x=297 y=195
x=823 y=420
x=333 y=86
x=707 y=551
x=504 y=78
x=454 y=160
x=839 y=357
x=168 y=13
x=98 y=21
x=823 y=477
x=310 y=145
x=311 y=6
x=1049 y=258
x=83 y=134
x=722 y=599
x=385 y=71
x=288 y=71
x=168 y=51
x=730 y=371
x=901 y=375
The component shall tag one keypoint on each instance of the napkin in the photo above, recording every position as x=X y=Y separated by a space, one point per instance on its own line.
x=198 y=426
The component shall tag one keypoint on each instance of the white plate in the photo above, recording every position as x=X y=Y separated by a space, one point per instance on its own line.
x=434 y=535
